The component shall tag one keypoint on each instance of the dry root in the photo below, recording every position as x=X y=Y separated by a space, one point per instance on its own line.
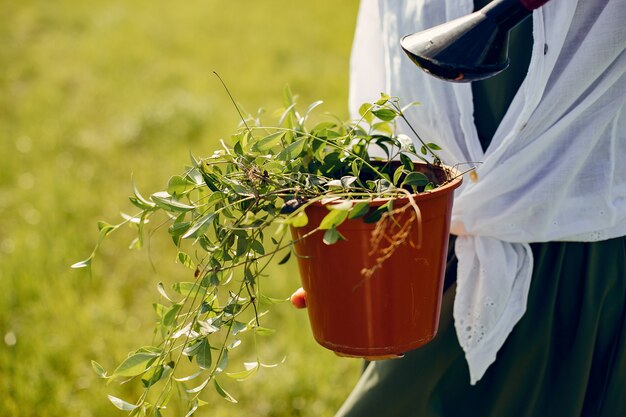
x=389 y=234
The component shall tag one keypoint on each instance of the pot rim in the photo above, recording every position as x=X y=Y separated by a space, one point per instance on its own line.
x=425 y=195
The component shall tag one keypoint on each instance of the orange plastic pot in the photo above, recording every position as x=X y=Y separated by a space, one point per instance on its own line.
x=394 y=310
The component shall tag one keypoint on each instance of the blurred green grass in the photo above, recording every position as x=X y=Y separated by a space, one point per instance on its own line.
x=92 y=91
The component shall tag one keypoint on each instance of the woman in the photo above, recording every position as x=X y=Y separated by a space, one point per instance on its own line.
x=533 y=322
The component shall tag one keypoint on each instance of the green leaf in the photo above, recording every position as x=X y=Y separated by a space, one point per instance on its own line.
x=169 y=317
x=98 y=369
x=347 y=181
x=104 y=225
x=374 y=216
x=105 y=230
x=300 y=220
x=411 y=104
x=155 y=374
x=249 y=218
x=121 y=404
x=134 y=219
x=82 y=264
x=192 y=348
x=355 y=166
x=186 y=260
x=138 y=200
x=189 y=377
x=238 y=187
x=415 y=179
x=233 y=306
x=257 y=247
x=234 y=344
x=169 y=202
x=194 y=407
x=242 y=245
x=203 y=356
x=238 y=327
x=384 y=98
x=250 y=369
x=308 y=111
x=331 y=236
x=397 y=174
x=159 y=309
x=268 y=142
x=292 y=150
x=185 y=288
x=287 y=115
x=210 y=326
x=342 y=205
x=178 y=228
x=433 y=146
x=265 y=300
x=194 y=175
x=135 y=364
x=223 y=363
x=359 y=210
x=150 y=349
x=285 y=258
x=273 y=365
x=365 y=111
x=333 y=219
x=407 y=163
x=263 y=331
x=273 y=166
x=223 y=393
x=287 y=96
x=196 y=390
x=312 y=106
x=385 y=114
x=161 y=290
x=179 y=185
x=199 y=226
x=210 y=180
x=383 y=127
x=238 y=148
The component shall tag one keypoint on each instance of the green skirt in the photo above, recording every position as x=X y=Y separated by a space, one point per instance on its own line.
x=566 y=356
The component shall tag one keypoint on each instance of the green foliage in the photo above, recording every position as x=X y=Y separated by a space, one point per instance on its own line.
x=95 y=90
x=221 y=212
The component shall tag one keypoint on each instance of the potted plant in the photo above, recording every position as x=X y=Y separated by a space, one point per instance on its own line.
x=370 y=237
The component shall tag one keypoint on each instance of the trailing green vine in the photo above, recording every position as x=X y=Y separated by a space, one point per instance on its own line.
x=229 y=215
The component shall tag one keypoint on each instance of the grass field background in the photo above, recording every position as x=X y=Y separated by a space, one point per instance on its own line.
x=93 y=91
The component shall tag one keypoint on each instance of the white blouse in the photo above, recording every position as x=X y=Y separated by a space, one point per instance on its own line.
x=555 y=168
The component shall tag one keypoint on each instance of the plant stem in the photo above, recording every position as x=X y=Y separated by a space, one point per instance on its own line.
x=402 y=115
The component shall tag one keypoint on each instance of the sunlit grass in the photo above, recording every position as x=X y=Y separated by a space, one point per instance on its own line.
x=94 y=91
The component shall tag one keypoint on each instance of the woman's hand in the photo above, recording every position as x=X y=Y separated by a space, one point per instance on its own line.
x=298 y=298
